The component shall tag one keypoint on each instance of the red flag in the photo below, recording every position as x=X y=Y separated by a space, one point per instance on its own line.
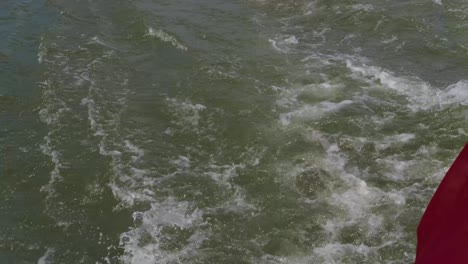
x=443 y=229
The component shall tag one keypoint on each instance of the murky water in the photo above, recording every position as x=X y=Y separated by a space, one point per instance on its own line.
x=154 y=131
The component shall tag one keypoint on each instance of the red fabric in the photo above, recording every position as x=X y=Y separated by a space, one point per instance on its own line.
x=443 y=229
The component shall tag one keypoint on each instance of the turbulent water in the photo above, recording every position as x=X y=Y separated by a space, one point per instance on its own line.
x=215 y=131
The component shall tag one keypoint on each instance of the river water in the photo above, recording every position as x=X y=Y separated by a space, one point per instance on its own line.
x=214 y=131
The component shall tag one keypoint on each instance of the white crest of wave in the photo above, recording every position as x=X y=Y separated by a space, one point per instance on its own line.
x=421 y=95
x=47 y=257
x=311 y=112
x=166 y=37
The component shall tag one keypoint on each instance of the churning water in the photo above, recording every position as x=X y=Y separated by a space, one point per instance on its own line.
x=215 y=131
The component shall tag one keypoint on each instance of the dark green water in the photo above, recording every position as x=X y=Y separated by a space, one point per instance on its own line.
x=154 y=131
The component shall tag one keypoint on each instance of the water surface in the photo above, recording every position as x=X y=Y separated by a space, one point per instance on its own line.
x=154 y=131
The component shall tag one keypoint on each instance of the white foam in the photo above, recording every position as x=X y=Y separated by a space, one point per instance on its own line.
x=366 y=7
x=182 y=162
x=188 y=114
x=101 y=42
x=54 y=155
x=53 y=107
x=390 y=40
x=283 y=44
x=389 y=141
x=275 y=46
x=398 y=168
x=47 y=257
x=144 y=244
x=311 y=112
x=414 y=89
x=217 y=72
x=223 y=173
x=288 y=97
x=333 y=252
x=42 y=51
x=166 y=37
x=355 y=199
x=128 y=179
x=105 y=152
x=128 y=197
x=92 y=114
x=135 y=149
x=397 y=197
x=49 y=118
x=335 y=158
x=421 y=96
x=239 y=204
x=387 y=118
x=374 y=224
x=455 y=93
x=291 y=40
